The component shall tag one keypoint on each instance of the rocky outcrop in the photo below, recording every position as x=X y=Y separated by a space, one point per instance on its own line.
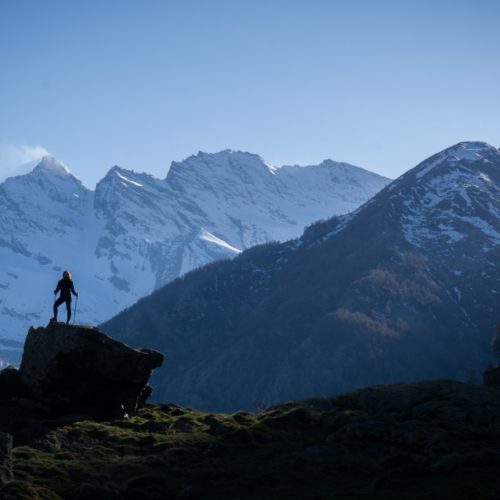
x=6 y=471
x=77 y=369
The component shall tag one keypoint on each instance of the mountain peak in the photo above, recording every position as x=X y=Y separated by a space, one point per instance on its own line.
x=223 y=157
x=470 y=150
x=466 y=151
x=219 y=165
x=114 y=171
x=49 y=164
x=125 y=177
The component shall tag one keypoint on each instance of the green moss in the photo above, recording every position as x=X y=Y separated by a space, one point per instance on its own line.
x=18 y=490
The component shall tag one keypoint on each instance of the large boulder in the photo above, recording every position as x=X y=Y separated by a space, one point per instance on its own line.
x=77 y=369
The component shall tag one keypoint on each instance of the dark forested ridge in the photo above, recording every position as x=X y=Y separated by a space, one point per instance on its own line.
x=405 y=288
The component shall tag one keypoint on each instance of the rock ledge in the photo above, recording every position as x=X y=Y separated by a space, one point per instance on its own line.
x=77 y=369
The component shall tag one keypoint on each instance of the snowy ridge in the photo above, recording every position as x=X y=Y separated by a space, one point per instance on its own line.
x=455 y=196
x=135 y=233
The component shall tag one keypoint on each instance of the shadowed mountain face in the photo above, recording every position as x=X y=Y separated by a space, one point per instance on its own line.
x=405 y=288
x=135 y=233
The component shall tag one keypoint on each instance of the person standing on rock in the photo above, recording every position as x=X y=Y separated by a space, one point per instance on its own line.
x=65 y=286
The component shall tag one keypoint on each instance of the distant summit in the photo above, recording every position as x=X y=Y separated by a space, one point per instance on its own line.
x=465 y=152
x=49 y=164
x=471 y=150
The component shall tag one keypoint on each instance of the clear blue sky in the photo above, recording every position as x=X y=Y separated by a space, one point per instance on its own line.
x=381 y=84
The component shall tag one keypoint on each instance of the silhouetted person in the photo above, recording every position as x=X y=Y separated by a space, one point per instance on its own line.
x=65 y=286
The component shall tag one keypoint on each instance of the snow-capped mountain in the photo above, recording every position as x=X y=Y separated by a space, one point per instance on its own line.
x=135 y=232
x=406 y=287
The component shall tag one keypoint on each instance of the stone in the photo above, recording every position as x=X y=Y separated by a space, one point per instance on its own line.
x=6 y=469
x=184 y=425
x=145 y=395
x=50 y=443
x=78 y=369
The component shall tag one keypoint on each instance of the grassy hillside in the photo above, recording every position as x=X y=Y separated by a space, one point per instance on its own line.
x=414 y=441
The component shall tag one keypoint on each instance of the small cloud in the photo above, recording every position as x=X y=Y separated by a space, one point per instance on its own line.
x=16 y=159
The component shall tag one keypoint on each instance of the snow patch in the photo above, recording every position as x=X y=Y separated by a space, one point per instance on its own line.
x=485 y=178
x=206 y=236
x=127 y=180
x=272 y=169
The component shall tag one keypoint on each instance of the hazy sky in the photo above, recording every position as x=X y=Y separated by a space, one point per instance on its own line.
x=381 y=84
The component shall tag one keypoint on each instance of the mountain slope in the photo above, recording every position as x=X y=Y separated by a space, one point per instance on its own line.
x=404 y=288
x=135 y=233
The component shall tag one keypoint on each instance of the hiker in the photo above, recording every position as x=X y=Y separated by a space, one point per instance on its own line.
x=65 y=286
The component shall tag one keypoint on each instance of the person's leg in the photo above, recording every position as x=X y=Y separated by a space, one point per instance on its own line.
x=68 y=309
x=57 y=303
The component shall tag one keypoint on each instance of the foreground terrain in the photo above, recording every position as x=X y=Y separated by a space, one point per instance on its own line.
x=436 y=439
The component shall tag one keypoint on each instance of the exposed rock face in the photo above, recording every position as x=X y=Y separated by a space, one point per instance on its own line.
x=6 y=471
x=76 y=369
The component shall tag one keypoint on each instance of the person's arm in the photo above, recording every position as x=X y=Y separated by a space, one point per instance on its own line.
x=58 y=287
x=73 y=290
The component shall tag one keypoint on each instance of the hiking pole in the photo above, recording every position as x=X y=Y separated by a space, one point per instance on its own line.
x=74 y=314
x=53 y=301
